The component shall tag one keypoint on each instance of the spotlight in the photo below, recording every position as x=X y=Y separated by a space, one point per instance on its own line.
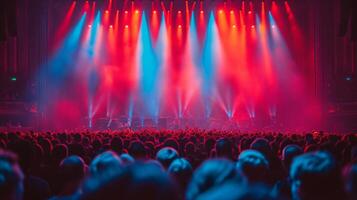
x=126 y=26
x=232 y=12
x=126 y=12
x=252 y=26
x=136 y=11
x=154 y=11
x=89 y=26
x=272 y=26
x=107 y=12
x=201 y=11
x=179 y=12
x=220 y=11
x=234 y=26
x=111 y=26
x=179 y=26
x=250 y=12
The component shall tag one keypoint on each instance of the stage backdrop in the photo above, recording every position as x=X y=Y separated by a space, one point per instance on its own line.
x=258 y=61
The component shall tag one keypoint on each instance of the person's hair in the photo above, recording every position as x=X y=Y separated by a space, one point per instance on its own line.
x=109 y=186
x=289 y=153
x=181 y=170
x=117 y=145
x=137 y=181
x=59 y=152
x=137 y=150
x=210 y=174
x=126 y=159
x=189 y=148
x=209 y=144
x=106 y=162
x=261 y=145
x=238 y=191
x=11 y=177
x=153 y=184
x=166 y=155
x=71 y=172
x=24 y=152
x=315 y=175
x=72 y=167
x=254 y=166
x=171 y=143
x=224 y=148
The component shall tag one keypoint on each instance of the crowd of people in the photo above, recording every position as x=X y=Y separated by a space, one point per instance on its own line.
x=183 y=164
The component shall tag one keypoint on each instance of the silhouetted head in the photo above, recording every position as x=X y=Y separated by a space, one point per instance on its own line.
x=25 y=153
x=189 y=148
x=11 y=177
x=71 y=172
x=137 y=181
x=152 y=182
x=262 y=145
x=104 y=163
x=210 y=174
x=59 y=152
x=126 y=159
x=117 y=145
x=181 y=170
x=209 y=144
x=238 y=191
x=350 y=180
x=224 y=148
x=166 y=155
x=289 y=153
x=72 y=167
x=254 y=166
x=171 y=143
x=107 y=186
x=315 y=175
x=137 y=150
